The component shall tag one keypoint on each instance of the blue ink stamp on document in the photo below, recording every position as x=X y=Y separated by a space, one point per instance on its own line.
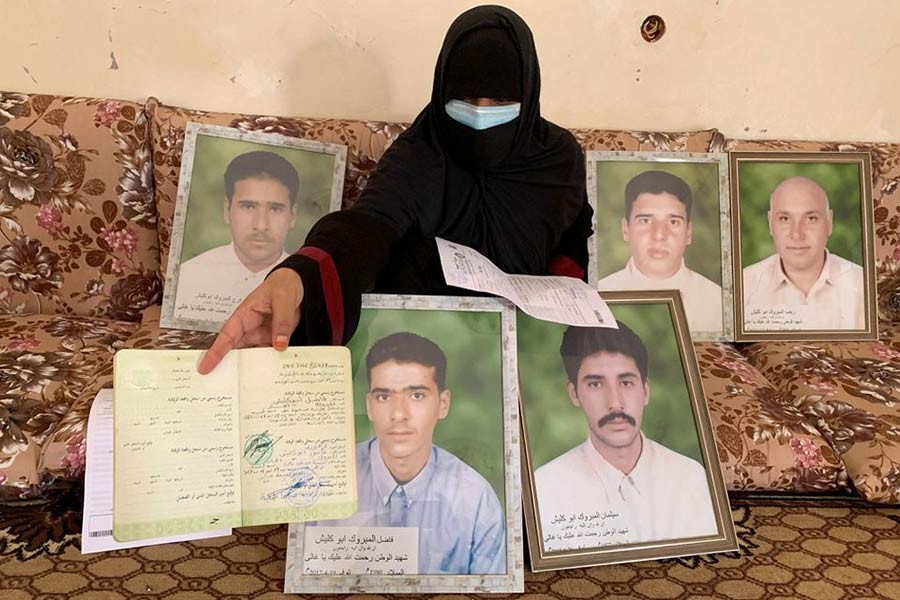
x=302 y=490
x=258 y=449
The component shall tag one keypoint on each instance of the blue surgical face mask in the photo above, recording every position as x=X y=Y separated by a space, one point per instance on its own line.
x=481 y=117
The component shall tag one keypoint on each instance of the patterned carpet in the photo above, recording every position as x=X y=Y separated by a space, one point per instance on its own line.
x=829 y=549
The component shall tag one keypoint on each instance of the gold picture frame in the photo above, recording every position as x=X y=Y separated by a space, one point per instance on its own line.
x=564 y=475
x=821 y=200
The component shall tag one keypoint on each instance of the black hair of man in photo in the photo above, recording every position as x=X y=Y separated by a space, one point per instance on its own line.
x=658 y=182
x=262 y=164
x=580 y=342
x=406 y=347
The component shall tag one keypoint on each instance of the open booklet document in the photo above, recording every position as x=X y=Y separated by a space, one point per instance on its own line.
x=551 y=298
x=267 y=437
x=97 y=522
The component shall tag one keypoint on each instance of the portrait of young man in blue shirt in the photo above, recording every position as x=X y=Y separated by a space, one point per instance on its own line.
x=404 y=480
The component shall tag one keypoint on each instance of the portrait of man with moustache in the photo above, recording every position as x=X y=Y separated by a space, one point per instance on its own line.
x=618 y=486
x=260 y=209
x=405 y=480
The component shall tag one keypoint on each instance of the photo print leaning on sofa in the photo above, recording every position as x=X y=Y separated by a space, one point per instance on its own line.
x=658 y=222
x=621 y=462
x=406 y=480
x=246 y=201
x=803 y=256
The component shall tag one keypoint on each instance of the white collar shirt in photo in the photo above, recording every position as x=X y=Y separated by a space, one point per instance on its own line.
x=585 y=502
x=212 y=284
x=835 y=301
x=701 y=297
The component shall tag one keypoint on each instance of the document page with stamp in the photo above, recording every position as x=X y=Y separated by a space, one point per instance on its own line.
x=267 y=437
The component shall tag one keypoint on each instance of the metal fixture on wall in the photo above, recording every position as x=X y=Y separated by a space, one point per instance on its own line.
x=653 y=28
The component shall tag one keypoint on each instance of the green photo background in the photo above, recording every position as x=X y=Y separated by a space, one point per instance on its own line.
x=555 y=425
x=473 y=428
x=205 y=226
x=703 y=255
x=841 y=181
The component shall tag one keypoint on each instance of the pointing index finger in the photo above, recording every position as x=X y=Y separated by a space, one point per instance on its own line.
x=228 y=338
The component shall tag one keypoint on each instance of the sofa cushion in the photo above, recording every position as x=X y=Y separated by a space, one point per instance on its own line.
x=151 y=336
x=850 y=391
x=646 y=141
x=366 y=142
x=51 y=367
x=77 y=218
x=764 y=443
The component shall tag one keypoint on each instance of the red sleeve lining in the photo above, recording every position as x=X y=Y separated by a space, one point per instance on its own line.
x=331 y=288
x=563 y=265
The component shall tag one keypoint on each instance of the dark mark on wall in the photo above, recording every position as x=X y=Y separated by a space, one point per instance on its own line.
x=29 y=73
x=114 y=66
x=232 y=78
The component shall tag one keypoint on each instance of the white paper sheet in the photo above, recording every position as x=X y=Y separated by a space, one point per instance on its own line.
x=97 y=524
x=550 y=298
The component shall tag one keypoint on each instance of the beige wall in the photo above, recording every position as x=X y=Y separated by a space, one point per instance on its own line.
x=822 y=69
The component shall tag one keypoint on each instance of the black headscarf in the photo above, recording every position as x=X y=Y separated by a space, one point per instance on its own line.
x=514 y=211
x=514 y=192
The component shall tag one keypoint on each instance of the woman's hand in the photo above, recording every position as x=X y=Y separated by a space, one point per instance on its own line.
x=268 y=315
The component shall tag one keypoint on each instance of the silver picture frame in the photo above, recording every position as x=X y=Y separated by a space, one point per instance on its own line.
x=208 y=274
x=707 y=258
x=493 y=320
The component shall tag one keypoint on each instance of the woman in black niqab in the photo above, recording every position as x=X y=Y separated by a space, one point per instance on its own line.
x=509 y=191
x=515 y=191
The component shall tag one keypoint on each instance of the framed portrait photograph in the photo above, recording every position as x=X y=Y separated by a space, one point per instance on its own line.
x=804 y=256
x=246 y=200
x=660 y=223
x=437 y=460
x=620 y=462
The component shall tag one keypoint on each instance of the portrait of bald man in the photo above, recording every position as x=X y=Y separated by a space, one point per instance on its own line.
x=821 y=289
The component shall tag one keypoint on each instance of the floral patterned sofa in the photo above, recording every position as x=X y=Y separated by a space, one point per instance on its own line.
x=87 y=197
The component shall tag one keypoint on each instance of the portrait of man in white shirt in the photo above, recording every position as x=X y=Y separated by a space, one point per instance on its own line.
x=260 y=208
x=657 y=228
x=802 y=285
x=618 y=486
